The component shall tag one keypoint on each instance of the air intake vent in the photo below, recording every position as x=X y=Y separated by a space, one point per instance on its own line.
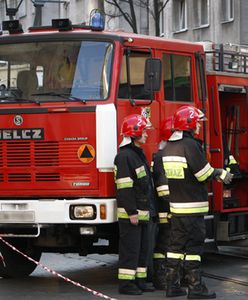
x=18 y=154
x=46 y=154
x=47 y=177
x=22 y=177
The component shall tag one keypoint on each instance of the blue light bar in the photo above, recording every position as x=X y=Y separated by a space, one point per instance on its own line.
x=97 y=20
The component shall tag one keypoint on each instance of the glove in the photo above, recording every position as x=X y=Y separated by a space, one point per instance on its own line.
x=224 y=176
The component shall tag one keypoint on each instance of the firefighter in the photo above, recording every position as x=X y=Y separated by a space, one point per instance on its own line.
x=161 y=184
x=187 y=171
x=135 y=197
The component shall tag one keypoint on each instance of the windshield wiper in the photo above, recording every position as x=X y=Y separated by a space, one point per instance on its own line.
x=4 y=99
x=61 y=95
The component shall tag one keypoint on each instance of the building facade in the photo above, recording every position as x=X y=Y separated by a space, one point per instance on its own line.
x=219 y=21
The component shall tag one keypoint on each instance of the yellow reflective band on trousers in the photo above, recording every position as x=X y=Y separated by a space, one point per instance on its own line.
x=175 y=255
x=141 y=273
x=159 y=256
x=174 y=170
x=143 y=215
x=126 y=274
x=123 y=183
x=192 y=257
x=204 y=173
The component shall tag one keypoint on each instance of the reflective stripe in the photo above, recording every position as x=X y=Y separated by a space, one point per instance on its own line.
x=152 y=165
x=163 y=215
x=159 y=255
x=175 y=255
x=163 y=190
x=192 y=257
x=232 y=160
x=126 y=274
x=163 y=221
x=163 y=218
x=175 y=159
x=123 y=183
x=141 y=272
x=189 y=210
x=140 y=172
x=204 y=173
x=188 y=204
x=223 y=175
x=189 y=207
x=174 y=166
x=143 y=215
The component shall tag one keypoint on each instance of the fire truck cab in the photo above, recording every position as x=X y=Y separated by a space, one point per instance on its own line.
x=64 y=91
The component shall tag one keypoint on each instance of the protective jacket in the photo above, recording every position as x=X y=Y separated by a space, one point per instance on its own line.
x=187 y=171
x=133 y=183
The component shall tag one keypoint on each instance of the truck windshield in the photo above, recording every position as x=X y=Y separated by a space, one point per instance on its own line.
x=51 y=71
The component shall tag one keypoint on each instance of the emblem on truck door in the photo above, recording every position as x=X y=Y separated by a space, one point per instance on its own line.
x=18 y=120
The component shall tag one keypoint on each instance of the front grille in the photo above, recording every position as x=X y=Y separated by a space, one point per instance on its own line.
x=19 y=177
x=46 y=154
x=24 y=161
x=47 y=177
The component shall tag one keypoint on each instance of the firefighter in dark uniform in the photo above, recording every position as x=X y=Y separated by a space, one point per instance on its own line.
x=135 y=192
x=187 y=171
x=161 y=185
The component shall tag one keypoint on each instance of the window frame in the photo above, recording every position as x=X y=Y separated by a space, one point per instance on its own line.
x=180 y=16
x=127 y=62
x=227 y=13
x=198 y=8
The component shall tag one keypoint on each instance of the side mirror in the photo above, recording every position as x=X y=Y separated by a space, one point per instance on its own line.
x=153 y=70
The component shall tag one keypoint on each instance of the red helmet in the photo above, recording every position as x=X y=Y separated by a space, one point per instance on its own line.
x=134 y=125
x=165 y=128
x=186 y=117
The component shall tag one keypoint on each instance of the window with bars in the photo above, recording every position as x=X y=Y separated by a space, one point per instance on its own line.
x=179 y=15
x=201 y=13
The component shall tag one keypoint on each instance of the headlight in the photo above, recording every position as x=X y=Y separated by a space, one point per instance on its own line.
x=86 y=212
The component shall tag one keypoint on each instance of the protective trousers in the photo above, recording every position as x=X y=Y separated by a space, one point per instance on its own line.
x=133 y=251
x=159 y=256
x=162 y=240
x=186 y=241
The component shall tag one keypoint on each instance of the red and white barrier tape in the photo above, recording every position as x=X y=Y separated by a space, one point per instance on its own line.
x=95 y=293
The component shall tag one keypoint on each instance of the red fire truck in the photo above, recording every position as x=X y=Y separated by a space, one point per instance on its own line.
x=64 y=91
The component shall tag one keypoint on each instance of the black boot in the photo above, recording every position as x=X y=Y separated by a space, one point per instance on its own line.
x=173 y=288
x=197 y=288
x=144 y=286
x=128 y=287
x=159 y=273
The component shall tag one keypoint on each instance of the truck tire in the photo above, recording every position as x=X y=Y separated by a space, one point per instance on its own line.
x=16 y=265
